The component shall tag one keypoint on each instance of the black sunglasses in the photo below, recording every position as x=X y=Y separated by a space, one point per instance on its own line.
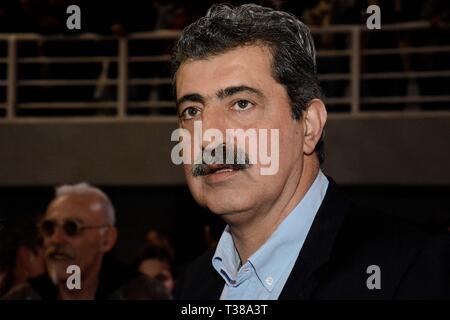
x=70 y=227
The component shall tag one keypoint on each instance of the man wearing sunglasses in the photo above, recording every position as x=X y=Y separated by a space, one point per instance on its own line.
x=78 y=230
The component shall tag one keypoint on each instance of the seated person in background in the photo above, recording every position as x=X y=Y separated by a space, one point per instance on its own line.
x=78 y=229
x=21 y=255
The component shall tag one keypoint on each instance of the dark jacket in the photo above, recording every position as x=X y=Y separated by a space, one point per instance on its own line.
x=344 y=240
x=116 y=282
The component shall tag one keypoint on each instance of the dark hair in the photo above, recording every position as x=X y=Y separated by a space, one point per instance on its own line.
x=158 y=253
x=153 y=252
x=12 y=237
x=293 y=54
x=21 y=234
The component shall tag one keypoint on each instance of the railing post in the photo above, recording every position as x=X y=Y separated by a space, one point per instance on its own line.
x=11 y=78
x=355 y=69
x=122 y=93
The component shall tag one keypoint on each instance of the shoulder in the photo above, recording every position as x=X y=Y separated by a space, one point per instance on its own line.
x=366 y=228
x=199 y=279
x=413 y=260
x=202 y=262
x=198 y=268
x=22 y=292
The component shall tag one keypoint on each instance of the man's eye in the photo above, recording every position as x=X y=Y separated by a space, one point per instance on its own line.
x=242 y=105
x=189 y=113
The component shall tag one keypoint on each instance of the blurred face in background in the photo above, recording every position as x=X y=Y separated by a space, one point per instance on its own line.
x=21 y=255
x=81 y=235
x=37 y=263
x=159 y=270
x=30 y=261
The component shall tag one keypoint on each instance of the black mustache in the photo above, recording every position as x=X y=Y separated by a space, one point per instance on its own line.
x=203 y=169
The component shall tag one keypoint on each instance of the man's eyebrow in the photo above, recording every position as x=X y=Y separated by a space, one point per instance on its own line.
x=229 y=91
x=192 y=97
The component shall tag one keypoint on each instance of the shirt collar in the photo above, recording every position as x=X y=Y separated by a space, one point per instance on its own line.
x=272 y=259
x=226 y=259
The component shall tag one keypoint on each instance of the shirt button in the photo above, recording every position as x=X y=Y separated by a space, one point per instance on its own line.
x=269 y=281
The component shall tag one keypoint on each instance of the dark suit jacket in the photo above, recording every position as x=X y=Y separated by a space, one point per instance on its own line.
x=343 y=242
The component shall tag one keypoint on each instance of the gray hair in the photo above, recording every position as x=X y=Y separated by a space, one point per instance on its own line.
x=85 y=189
x=289 y=40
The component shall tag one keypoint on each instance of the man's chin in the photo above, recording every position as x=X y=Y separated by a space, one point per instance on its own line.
x=57 y=270
x=227 y=195
x=224 y=205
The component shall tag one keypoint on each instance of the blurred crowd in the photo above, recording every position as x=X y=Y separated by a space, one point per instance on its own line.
x=121 y=17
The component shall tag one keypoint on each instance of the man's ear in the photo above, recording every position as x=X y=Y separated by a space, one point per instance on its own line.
x=314 y=119
x=109 y=239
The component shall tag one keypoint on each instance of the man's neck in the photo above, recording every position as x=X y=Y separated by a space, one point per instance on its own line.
x=250 y=236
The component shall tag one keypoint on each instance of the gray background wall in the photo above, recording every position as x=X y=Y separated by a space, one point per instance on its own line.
x=362 y=151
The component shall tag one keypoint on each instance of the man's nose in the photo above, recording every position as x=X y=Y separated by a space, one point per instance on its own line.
x=213 y=118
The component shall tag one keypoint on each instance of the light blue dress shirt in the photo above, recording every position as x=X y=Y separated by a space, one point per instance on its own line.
x=265 y=273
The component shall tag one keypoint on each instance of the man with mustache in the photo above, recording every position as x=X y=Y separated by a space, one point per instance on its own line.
x=78 y=230
x=290 y=235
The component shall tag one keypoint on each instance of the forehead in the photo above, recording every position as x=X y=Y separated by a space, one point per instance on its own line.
x=85 y=207
x=153 y=264
x=249 y=65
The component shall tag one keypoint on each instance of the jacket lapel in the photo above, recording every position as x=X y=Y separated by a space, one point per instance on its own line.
x=318 y=245
x=208 y=283
x=213 y=288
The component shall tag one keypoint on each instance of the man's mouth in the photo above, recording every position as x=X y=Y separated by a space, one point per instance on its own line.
x=59 y=257
x=220 y=172
x=219 y=168
x=212 y=169
x=213 y=166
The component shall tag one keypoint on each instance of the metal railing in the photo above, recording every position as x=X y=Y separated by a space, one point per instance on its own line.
x=122 y=56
